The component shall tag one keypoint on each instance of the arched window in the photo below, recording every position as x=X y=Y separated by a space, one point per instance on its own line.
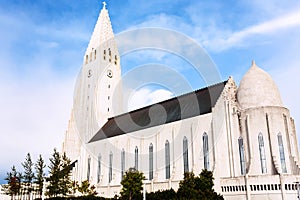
x=136 y=158
x=122 y=163
x=88 y=169
x=205 y=150
x=167 y=159
x=281 y=153
x=110 y=167
x=116 y=59
x=242 y=155
x=185 y=155
x=262 y=154
x=151 y=161
x=99 y=168
x=86 y=59
x=109 y=53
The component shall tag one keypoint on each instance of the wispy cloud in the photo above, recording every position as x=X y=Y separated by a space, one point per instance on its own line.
x=238 y=38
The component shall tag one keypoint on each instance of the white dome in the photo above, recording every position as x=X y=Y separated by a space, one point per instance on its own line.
x=257 y=89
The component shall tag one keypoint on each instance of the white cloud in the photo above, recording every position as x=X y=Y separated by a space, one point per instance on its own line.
x=146 y=96
x=238 y=38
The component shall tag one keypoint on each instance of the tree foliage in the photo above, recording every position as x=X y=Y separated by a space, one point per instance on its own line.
x=132 y=184
x=200 y=187
x=39 y=168
x=60 y=171
x=13 y=179
x=87 y=189
x=28 y=174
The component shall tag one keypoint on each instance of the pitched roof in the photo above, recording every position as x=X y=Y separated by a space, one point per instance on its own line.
x=195 y=103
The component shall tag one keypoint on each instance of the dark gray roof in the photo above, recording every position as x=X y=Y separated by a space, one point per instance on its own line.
x=195 y=103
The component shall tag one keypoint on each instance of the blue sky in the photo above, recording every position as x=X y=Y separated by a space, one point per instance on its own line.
x=42 y=43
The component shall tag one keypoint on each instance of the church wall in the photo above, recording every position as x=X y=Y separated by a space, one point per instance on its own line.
x=192 y=128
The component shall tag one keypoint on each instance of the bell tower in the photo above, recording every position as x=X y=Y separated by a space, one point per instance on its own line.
x=98 y=93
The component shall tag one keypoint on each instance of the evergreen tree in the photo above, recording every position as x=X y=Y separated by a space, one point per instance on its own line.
x=54 y=172
x=200 y=187
x=86 y=189
x=132 y=184
x=65 y=183
x=187 y=189
x=13 y=179
x=28 y=174
x=39 y=167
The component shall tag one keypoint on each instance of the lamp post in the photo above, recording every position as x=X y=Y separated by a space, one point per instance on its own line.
x=144 y=190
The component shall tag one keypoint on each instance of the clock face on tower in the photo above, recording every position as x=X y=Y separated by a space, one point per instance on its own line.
x=109 y=73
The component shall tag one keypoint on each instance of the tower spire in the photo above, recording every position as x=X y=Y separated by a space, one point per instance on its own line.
x=102 y=31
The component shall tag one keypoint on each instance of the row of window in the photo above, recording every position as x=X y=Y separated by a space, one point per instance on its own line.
x=265 y=187
x=93 y=54
x=263 y=160
x=243 y=188
x=167 y=160
x=186 y=157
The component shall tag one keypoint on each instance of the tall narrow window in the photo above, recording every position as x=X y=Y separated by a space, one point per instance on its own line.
x=122 y=163
x=95 y=54
x=104 y=54
x=136 y=158
x=110 y=167
x=281 y=153
x=88 y=169
x=205 y=150
x=185 y=155
x=242 y=155
x=151 y=161
x=99 y=168
x=167 y=159
x=116 y=59
x=262 y=154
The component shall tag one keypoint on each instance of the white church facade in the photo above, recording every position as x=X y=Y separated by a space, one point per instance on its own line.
x=243 y=134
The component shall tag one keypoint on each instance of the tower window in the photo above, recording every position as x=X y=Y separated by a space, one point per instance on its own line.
x=242 y=155
x=108 y=86
x=167 y=159
x=86 y=59
x=262 y=154
x=185 y=155
x=91 y=57
x=104 y=54
x=151 y=161
x=116 y=59
x=205 y=150
x=109 y=55
x=108 y=97
x=281 y=153
x=95 y=54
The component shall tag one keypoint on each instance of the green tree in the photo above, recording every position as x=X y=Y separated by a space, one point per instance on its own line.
x=54 y=172
x=65 y=183
x=187 y=187
x=132 y=184
x=13 y=179
x=205 y=184
x=28 y=174
x=39 y=167
x=86 y=189
x=200 y=187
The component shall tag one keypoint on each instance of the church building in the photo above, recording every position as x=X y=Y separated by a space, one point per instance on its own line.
x=242 y=133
